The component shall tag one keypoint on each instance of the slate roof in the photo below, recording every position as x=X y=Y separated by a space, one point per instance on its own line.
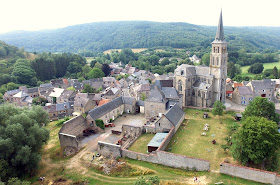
x=81 y=99
x=64 y=106
x=245 y=90
x=220 y=30
x=12 y=92
x=97 y=112
x=128 y=100
x=28 y=99
x=163 y=83
x=78 y=85
x=202 y=85
x=156 y=95
x=174 y=114
x=157 y=140
x=66 y=94
x=140 y=103
x=32 y=90
x=263 y=84
x=56 y=92
x=190 y=70
x=170 y=93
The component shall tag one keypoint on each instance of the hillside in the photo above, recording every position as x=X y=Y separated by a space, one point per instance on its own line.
x=102 y=36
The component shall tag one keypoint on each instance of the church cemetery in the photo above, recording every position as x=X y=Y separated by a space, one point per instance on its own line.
x=189 y=140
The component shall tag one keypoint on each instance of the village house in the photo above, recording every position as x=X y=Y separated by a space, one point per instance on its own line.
x=53 y=94
x=44 y=88
x=83 y=103
x=111 y=93
x=141 y=90
x=108 y=81
x=242 y=95
x=32 y=92
x=9 y=95
x=22 y=99
x=66 y=96
x=60 y=110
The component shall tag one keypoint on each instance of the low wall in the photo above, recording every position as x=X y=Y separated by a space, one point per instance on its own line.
x=108 y=149
x=167 y=139
x=183 y=162
x=152 y=158
x=68 y=141
x=249 y=173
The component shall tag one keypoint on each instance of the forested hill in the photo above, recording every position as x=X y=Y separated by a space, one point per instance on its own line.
x=141 y=34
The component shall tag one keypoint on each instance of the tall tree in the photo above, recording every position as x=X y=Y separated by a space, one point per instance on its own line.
x=261 y=107
x=275 y=72
x=257 y=141
x=23 y=72
x=218 y=108
x=44 y=67
x=256 y=68
x=95 y=73
x=106 y=69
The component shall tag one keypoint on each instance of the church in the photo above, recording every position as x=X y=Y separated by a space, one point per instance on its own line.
x=201 y=86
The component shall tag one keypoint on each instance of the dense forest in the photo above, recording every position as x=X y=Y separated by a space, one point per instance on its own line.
x=87 y=39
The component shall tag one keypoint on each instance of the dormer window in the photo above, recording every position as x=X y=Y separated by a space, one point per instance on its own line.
x=182 y=72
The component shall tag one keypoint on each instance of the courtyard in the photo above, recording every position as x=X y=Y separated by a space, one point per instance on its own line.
x=189 y=141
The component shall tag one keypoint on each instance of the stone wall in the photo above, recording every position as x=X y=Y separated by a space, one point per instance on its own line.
x=68 y=141
x=183 y=162
x=152 y=158
x=108 y=149
x=132 y=131
x=167 y=139
x=149 y=129
x=249 y=173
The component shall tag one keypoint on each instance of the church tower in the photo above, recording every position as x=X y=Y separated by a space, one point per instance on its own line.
x=218 y=64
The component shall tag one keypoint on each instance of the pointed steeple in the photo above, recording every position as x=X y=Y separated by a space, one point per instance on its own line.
x=220 y=31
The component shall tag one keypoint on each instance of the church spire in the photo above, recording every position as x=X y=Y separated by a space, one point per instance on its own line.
x=220 y=30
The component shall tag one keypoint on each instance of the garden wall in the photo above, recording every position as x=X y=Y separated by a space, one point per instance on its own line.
x=67 y=140
x=167 y=139
x=108 y=149
x=152 y=158
x=250 y=173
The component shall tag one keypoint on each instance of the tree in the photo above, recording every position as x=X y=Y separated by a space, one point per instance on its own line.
x=92 y=63
x=21 y=140
x=275 y=72
x=86 y=69
x=218 y=108
x=256 y=68
x=95 y=73
x=106 y=69
x=39 y=101
x=3 y=52
x=88 y=89
x=206 y=59
x=233 y=69
x=143 y=96
x=23 y=71
x=44 y=67
x=257 y=141
x=261 y=107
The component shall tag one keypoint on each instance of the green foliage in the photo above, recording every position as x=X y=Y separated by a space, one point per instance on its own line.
x=71 y=88
x=143 y=96
x=256 y=141
x=206 y=59
x=233 y=69
x=106 y=69
x=39 y=101
x=60 y=122
x=88 y=89
x=100 y=123
x=22 y=137
x=218 y=108
x=256 y=68
x=95 y=73
x=261 y=107
x=23 y=71
x=153 y=180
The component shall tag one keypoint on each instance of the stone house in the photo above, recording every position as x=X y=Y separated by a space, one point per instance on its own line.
x=66 y=96
x=9 y=95
x=22 y=99
x=141 y=89
x=108 y=81
x=123 y=83
x=83 y=102
x=111 y=93
x=242 y=95
x=44 y=88
x=53 y=94
x=112 y=109
x=263 y=88
x=32 y=92
x=60 y=110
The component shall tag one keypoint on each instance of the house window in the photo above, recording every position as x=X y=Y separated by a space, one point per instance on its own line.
x=182 y=72
x=243 y=98
x=189 y=79
x=250 y=99
x=159 y=124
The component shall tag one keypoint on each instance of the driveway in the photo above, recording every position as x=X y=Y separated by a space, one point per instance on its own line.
x=233 y=106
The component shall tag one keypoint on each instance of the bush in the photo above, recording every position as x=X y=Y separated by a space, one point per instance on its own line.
x=100 y=123
x=60 y=122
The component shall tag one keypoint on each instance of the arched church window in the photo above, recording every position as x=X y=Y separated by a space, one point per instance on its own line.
x=189 y=92
x=199 y=94
x=180 y=85
x=193 y=93
x=213 y=61
x=213 y=49
x=218 y=49
x=217 y=61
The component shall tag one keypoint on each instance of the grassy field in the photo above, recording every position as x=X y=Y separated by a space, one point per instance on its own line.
x=188 y=140
x=140 y=145
x=135 y=50
x=265 y=65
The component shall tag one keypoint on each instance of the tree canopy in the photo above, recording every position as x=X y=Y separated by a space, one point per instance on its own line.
x=218 y=108
x=22 y=136
x=261 y=107
x=95 y=73
x=257 y=141
x=256 y=68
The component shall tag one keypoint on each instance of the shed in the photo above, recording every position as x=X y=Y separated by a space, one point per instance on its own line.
x=205 y=115
x=156 y=141
x=238 y=116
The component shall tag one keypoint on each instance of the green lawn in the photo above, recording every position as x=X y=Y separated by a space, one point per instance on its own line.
x=188 y=140
x=265 y=65
x=140 y=145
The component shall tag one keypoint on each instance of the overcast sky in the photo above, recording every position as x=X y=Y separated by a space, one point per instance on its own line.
x=50 y=14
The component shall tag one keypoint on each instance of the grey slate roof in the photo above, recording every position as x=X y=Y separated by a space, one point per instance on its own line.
x=128 y=100
x=174 y=114
x=157 y=139
x=220 y=30
x=163 y=83
x=263 y=84
x=202 y=85
x=245 y=90
x=156 y=95
x=66 y=94
x=63 y=106
x=190 y=70
x=140 y=103
x=170 y=93
x=98 y=112
x=13 y=92
x=32 y=90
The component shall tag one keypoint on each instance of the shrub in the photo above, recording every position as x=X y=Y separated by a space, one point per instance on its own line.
x=100 y=123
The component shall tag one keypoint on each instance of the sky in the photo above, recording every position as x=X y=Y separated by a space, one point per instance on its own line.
x=51 y=14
